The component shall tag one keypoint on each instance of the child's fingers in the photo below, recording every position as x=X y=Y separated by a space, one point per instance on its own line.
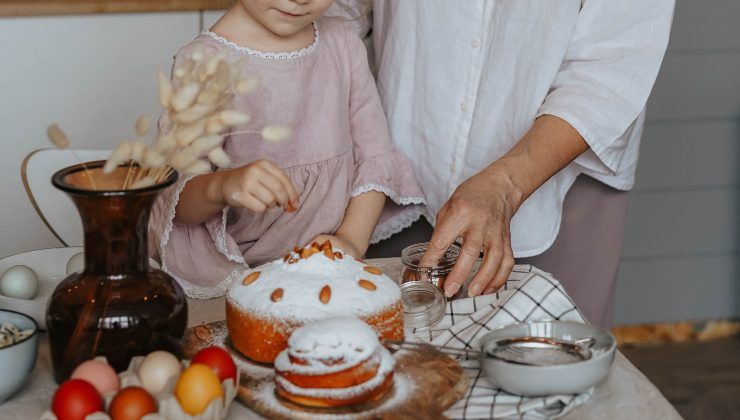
x=276 y=187
x=250 y=202
x=264 y=195
x=278 y=173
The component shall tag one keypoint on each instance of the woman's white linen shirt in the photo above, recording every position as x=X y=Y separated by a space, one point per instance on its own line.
x=462 y=81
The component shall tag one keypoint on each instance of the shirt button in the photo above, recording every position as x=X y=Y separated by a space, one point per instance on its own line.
x=464 y=107
x=452 y=167
x=475 y=43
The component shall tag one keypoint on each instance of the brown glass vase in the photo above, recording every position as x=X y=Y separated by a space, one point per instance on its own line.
x=117 y=307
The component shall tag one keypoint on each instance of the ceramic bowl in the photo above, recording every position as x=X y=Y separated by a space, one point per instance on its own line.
x=536 y=381
x=18 y=359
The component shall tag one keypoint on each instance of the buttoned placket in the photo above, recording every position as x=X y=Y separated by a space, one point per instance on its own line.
x=469 y=92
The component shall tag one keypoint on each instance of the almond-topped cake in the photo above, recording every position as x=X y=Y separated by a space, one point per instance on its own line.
x=333 y=362
x=309 y=284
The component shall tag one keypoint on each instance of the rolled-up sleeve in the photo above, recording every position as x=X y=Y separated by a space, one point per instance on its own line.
x=608 y=72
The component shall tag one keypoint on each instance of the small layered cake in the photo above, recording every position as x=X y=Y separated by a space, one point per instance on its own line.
x=333 y=362
x=308 y=285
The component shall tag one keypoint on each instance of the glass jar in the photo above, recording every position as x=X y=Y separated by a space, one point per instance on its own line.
x=117 y=307
x=423 y=298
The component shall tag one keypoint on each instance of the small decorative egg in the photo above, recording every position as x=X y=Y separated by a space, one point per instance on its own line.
x=75 y=399
x=100 y=375
x=132 y=403
x=19 y=282
x=76 y=263
x=156 y=369
x=197 y=387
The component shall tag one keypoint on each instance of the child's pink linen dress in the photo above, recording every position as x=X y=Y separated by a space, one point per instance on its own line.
x=339 y=149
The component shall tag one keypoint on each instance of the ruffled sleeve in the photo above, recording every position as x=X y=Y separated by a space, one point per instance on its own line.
x=378 y=166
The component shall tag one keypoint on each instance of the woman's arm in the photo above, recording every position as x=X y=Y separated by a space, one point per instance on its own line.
x=481 y=208
x=360 y=218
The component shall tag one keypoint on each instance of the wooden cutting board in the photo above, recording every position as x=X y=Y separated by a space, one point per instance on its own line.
x=425 y=383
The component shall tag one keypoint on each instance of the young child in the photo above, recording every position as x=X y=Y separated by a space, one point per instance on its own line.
x=328 y=181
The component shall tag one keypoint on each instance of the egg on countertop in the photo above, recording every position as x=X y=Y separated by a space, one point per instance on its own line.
x=76 y=263
x=19 y=282
x=156 y=369
x=100 y=374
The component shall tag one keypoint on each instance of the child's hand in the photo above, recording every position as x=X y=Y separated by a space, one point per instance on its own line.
x=258 y=186
x=338 y=242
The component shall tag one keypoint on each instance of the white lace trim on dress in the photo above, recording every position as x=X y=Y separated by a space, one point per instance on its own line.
x=199 y=292
x=220 y=237
x=397 y=223
x=270 y=55
x=169 y=221
x=404 y=201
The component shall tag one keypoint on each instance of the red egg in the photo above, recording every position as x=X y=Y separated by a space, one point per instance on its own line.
x=219 y=360
x=132 y=403
x=75 y=399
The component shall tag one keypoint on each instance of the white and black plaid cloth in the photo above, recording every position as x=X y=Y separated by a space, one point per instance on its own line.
x=529 y=295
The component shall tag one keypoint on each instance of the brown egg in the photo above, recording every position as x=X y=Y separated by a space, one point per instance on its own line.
x=132 y=403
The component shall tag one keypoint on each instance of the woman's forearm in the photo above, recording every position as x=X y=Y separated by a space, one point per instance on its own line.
x=549 y=146
x=360 y=218
x=199 y=199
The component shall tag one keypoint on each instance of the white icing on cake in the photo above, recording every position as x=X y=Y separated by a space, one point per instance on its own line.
x=345 y=341
x=386 y=366
x=301 y=283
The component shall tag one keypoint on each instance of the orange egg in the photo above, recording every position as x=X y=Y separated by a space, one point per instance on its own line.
x=132 y=403
x=197 y=387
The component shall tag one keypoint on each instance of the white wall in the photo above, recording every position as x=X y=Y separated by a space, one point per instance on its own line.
x=94 y=75
x=682 y=249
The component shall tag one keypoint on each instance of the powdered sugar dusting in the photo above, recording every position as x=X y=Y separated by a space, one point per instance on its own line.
x=345 y=341
x=386 y=366
x=302 y=282
x=403 y=386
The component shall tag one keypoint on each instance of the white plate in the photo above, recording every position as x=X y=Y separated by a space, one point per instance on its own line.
x=50 y=266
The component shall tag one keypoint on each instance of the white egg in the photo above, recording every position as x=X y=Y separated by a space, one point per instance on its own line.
x=76 y=263
x=19 y=282
x=156 y=369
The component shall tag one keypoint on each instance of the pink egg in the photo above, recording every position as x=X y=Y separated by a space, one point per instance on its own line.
x=100 y=374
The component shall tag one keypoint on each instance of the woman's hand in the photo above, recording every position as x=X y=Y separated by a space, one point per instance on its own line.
x=258 y=186
x=481 y=209
x=479 y=212
x=340 y=242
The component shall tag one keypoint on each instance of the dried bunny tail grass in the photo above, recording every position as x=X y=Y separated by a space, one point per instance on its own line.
x=147 y=181
x=142 y=125
x=208 y=96
x=186 y=68
x=57 y=136
x=194 y=113
x=137 y=150
x=198 y=167
x=153 y=159
x=186 y=134
x=165 y=89
x=233 y=117
x=118 y=156
x=215 y=125
x=247 y=85
x=183 y=158
x=276 y=133
x=165 y=143
x=185 y=96
x=219 y=158
x=205 y=144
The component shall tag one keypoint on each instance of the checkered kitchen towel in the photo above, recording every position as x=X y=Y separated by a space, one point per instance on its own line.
x=529 y=295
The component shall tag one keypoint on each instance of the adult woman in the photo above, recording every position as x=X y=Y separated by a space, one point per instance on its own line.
x=506 y=106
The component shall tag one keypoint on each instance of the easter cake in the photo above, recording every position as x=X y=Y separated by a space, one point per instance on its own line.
x=307 y=285
x=333 y=362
